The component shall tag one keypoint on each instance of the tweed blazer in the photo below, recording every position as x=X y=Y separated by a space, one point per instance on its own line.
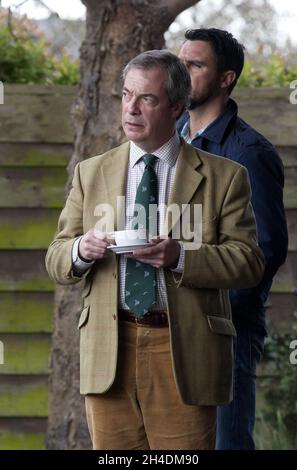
x=200 y=323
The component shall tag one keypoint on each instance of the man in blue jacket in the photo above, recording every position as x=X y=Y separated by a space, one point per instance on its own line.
x=215 y=59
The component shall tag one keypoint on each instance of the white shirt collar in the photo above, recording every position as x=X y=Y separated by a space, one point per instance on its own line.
x=168 y=153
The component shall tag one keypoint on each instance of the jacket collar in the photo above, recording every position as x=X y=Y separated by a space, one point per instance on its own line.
x=186 y=181
x=216 y=130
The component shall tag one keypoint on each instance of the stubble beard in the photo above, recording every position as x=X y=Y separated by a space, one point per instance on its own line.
x=208 y=95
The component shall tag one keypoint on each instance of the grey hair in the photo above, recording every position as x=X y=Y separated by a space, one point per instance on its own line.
x=178 y=83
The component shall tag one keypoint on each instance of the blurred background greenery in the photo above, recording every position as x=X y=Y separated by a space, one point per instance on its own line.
x=46 y=51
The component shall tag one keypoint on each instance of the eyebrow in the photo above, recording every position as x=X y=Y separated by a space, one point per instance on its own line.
x=146 y=95
x=194 y=61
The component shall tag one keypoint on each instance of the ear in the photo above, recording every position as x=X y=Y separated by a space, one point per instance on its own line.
x=227 y=78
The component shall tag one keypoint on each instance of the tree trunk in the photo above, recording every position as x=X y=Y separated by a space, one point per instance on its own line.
x=116 y=31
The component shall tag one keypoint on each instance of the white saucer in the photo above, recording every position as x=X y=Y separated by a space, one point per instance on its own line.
x=126 y=249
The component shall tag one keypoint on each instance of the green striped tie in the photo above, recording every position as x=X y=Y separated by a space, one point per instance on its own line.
x=140 y=278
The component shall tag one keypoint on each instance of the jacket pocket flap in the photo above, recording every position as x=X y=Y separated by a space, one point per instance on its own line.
x=83 y=317
x=221 y=325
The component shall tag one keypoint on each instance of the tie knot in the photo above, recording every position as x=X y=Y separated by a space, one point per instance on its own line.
x=149 y=159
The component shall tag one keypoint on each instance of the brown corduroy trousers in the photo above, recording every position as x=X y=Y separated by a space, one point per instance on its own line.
x=142 y=410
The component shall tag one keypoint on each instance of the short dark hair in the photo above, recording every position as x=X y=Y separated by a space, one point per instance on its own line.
x=228 y=51
x=178 y=83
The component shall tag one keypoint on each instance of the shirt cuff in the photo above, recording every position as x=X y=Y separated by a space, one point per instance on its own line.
x=181 y=261
x=80 y=266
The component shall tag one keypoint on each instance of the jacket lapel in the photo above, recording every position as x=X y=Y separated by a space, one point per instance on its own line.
x=114 y=174
x=186 y=182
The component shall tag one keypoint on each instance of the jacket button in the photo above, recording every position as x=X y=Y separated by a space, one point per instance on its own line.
x=114 y=316
x=114 y=275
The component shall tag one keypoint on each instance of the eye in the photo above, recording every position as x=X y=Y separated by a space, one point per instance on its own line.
x=125 y=95
x=151 y=100
x=194 y=65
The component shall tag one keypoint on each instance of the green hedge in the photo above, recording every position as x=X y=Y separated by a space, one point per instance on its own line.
x=25 y=56
x=273 y=73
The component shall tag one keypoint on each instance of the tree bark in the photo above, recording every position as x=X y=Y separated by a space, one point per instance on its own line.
x=116 y=31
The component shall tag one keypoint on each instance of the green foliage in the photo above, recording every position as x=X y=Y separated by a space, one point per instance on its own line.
x=273 y=436
x=65 y=72
x=21 y=61
x=24 y=56
x=275 y=73
x=279 y=416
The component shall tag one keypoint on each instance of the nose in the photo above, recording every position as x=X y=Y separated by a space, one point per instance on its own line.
x=133 y=107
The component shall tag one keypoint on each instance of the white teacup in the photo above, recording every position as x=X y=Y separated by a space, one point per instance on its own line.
x=130 y=237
